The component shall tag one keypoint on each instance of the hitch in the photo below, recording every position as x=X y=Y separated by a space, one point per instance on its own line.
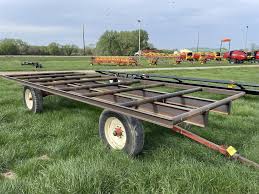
x=230 y=152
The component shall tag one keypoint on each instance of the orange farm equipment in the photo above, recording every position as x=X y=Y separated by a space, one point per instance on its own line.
x=114 y=60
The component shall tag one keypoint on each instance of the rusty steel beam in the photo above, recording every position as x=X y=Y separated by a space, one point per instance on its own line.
x=212 y=85
x=219 y=148
x=160 y=97
x=162 y=118
x=158 y=108
x=98 y=85
x=64 y=78
x=32 y=76
x=158 y=119
x=78 y=81
x=185 y=101
x=38 y=73
x=121 y=90
x=195 y=102
x=180 y=118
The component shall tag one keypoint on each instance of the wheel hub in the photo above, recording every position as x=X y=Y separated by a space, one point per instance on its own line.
x=117 y=132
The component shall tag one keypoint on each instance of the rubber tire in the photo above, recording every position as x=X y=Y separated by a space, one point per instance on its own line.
x=37 y=99
x=134 y=131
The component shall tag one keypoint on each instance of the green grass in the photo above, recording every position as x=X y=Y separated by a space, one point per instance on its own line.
x=80 y=63
x=67 y=132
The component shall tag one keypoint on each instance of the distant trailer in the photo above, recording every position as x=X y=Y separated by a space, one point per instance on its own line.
x=34 y=64
x=129 y=100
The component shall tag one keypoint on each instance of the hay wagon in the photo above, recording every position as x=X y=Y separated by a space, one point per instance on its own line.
x=128 y=99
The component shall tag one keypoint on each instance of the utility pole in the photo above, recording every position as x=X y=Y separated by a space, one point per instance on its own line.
x=84 y=37
x=139 y=49
x=198 y=42
x=246 y=38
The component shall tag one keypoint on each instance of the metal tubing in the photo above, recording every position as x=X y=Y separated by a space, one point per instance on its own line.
x=183 y=117
x=199 y=82
x=78 y=81
x=245 y=161
x=142 y=115
x=213 y=146
x=121 y=90
x=39 y=73
x=161 y=118
x=158 y=108
x=186 y=101
x=64 y=78
x=98 y=85
x=181 y=78
x=31 y=76
x=200 y=140
x=160 y=97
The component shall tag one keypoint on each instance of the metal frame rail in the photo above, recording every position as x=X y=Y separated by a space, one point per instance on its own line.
x=248 y=88
x=165 y=109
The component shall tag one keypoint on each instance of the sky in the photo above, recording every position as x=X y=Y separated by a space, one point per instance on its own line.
x=170 y=23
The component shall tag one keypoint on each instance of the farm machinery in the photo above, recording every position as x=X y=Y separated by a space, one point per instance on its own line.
x=154 y=56
x=235 y=57
x=178 y=57
x=34 y=64
x=128 y=99
x=257 y=56
x=253 y=56
x=112 y=60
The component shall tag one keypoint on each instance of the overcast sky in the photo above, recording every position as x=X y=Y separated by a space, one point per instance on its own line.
x=170 y=23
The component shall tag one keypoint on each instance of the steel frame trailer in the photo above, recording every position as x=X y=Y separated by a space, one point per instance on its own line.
x=248 y=88
x=127 y=102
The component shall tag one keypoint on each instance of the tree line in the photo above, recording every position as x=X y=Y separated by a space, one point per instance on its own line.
x=110 y=43
x=19 y=47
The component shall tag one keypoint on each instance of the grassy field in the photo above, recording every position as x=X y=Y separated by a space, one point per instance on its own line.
x=59 y=151
x=80 y=63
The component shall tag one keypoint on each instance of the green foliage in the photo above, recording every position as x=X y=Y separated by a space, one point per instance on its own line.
x=9 y=47
x=70 y=49
x=19 y=47
x=108 y=44
x=38 y=50
x=54 y=48
x=121 y=43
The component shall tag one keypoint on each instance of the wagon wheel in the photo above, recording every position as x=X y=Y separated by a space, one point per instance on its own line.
x=33 y=99
x=121 y=132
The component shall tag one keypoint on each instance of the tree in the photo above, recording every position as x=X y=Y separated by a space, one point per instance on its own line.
x=108 y=44
x=54 y=49
x=9 y=47
x=121 y=43
x=69 y=49
x=22 y=47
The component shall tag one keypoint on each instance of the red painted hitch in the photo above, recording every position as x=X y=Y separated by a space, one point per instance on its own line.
x=230 y=151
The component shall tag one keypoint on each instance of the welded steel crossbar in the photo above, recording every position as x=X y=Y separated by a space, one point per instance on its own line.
x=133 y=97
x=248 y=88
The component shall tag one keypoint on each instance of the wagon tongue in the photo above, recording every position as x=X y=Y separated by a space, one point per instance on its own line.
x=228 y=151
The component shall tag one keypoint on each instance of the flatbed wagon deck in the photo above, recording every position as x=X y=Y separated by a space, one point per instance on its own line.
x=127 y=101
x=130 y=97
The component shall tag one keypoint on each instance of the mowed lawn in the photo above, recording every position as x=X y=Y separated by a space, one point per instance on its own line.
x=83 y=63
x=59 y=151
